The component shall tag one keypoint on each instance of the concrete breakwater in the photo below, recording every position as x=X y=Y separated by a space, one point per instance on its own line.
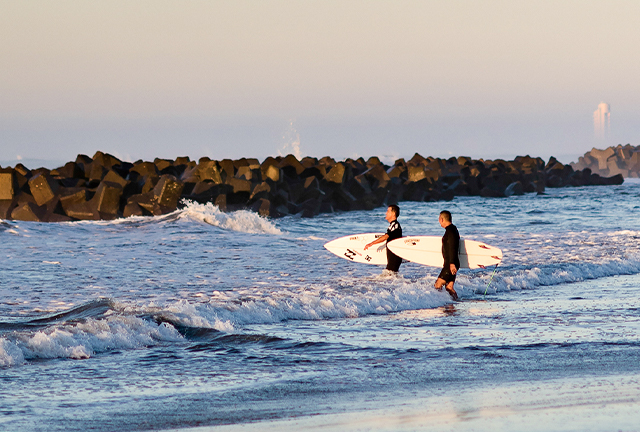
x=104 y=187
x=623 y=160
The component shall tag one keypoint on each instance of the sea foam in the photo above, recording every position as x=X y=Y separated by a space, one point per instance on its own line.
x=229 y=310
x=241 y=220
x=84 y=339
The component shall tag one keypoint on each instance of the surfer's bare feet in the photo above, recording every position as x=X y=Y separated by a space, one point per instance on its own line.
x=452 y=292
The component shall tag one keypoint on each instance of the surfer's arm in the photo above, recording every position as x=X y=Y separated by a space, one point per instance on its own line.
x=453 y=269
x=376 y=241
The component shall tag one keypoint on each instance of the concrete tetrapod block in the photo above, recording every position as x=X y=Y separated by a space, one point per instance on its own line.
x=396 y=171
x=311 y=190
x=459 y=188
x=616 y=166
x=415 y=173
x=308 y=162
x=71 y=170
x=182 y=160
x=133 y=209
x=244 y=172
x=338 y=174
x=208 y=170
x=270 y=161
x=43 y=188
x=73 y=199
x=96 y=174
x=162 y=163
x=29 y=212
x=263 y=190
x=601 y=156
x=201 y=188
x=262 y=207
x=359 y=186
x=189 y=175
x=82 y=211
x=240 y=163
x=318 y=171
x=417 y=160
x=272 y=172
x=8 y=184
x=84 y=162
x=6 y=207
x=253 y=163
x=167 y=192
x=239 y=185
x=147 y=201
x=416 y=191
x=107 y=198
x=377 y=176
x=148 y=183
x=373 y=161
x=206 y=191
x=310 y=208
x=343 y=200
x=291 y=166
x=227 y=167
x=145 y=169
x=54 y=211
x=105 y=159
x=114 y=177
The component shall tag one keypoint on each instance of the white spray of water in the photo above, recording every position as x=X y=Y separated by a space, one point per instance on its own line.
x=291 y=142
x=241 y=220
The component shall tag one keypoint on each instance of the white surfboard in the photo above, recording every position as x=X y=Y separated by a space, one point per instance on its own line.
x=351 y=247
x=427 y=250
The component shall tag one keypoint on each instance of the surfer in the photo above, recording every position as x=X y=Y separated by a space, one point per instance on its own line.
x=450 y=250
x=393 y=232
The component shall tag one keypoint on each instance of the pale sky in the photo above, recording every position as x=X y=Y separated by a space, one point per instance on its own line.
x=145 y=79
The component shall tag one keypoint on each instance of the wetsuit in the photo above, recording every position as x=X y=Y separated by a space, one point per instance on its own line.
x=450 y=250
x=394 y=232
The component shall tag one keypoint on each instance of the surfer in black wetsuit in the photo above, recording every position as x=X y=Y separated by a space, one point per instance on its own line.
x=393 y=232
x=450 y=250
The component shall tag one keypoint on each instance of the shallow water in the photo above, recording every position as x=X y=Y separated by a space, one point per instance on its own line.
x=201 y=318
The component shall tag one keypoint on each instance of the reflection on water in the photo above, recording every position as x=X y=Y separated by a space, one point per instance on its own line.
x=449 y=310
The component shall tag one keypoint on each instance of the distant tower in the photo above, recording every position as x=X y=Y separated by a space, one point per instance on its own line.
x=601 y=121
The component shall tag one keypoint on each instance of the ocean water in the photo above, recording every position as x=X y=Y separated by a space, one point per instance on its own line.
x=204 y=320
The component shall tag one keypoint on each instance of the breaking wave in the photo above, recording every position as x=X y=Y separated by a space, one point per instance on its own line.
x=241 y=220
x=103 y=326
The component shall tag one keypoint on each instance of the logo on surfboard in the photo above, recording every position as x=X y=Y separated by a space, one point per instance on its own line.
x=350 y=254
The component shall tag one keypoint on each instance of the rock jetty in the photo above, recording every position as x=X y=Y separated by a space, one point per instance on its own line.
x=623 y=160
x=104 y=187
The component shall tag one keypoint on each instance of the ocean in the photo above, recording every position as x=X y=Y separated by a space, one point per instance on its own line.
x=201 y=320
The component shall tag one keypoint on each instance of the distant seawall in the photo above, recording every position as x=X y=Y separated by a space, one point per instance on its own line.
x=623 y=160
x=103 y=187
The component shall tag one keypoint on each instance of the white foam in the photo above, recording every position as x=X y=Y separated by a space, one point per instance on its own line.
x=85 y=339
x=509 y=279
x=226 y=310
x=10 y=354
x=241 y=220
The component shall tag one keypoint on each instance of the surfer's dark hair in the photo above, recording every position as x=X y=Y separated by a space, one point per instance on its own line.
x=446 y=215
x=395 y=209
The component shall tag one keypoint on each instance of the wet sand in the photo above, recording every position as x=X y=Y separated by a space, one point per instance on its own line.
x=605 y=403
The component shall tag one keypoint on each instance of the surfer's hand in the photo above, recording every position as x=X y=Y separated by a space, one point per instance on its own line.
x=453 y=269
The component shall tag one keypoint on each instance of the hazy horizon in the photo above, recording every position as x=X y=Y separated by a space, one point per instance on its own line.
x=230 y=79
